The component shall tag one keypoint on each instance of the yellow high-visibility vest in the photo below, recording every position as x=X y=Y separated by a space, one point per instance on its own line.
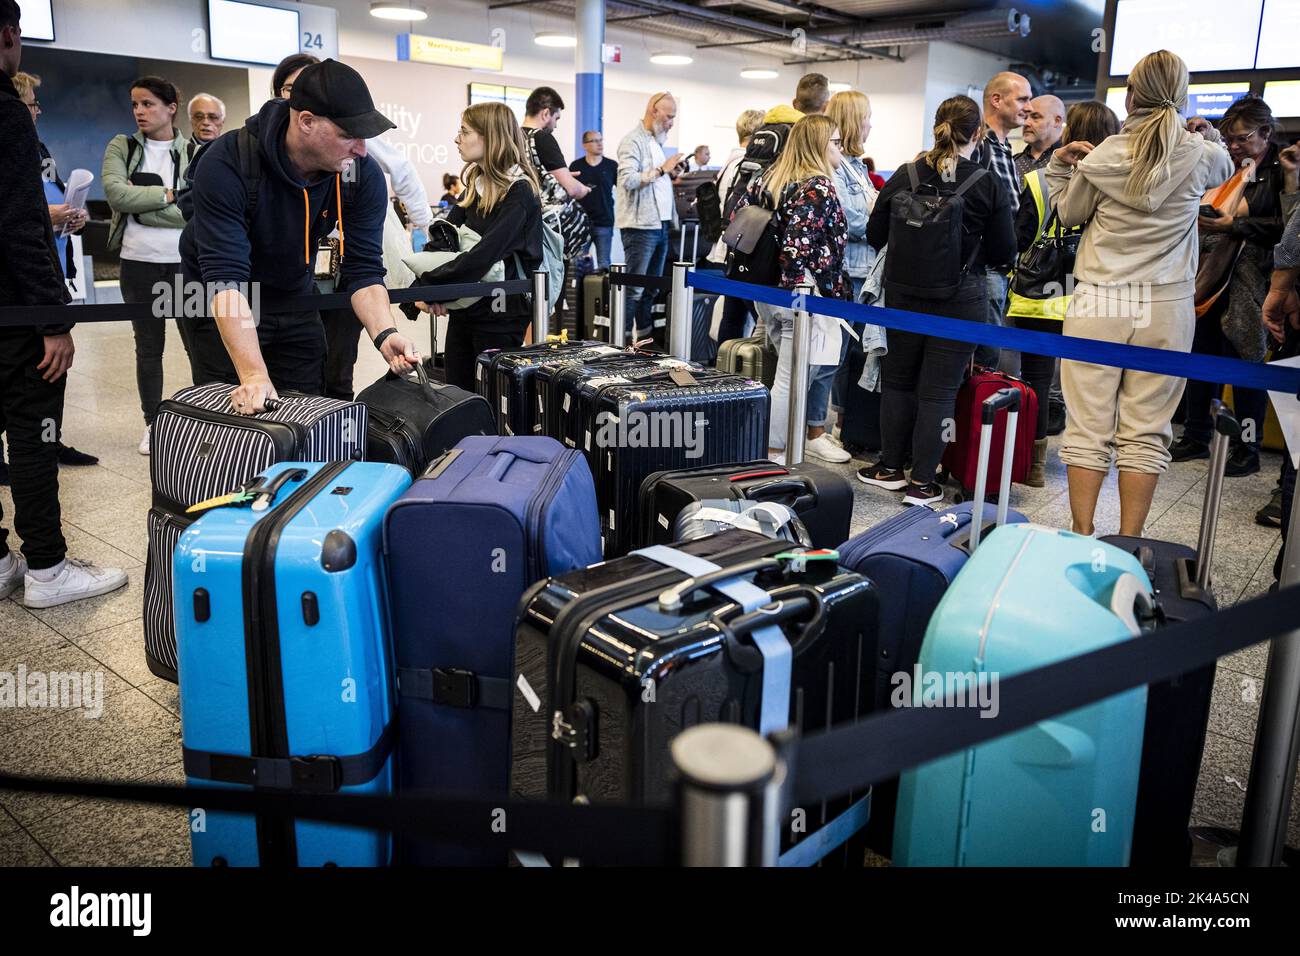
x=1018 y=305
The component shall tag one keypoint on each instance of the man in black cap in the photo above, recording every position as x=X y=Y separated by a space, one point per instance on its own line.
x=263 y=198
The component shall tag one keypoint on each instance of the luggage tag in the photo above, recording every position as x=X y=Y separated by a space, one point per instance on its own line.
x=233 y=498
x=799 y=559
x=682 y=376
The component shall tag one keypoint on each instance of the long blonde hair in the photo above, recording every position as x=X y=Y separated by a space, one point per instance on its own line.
x=1159 y=85
x=803 y=157
x=957 y=122
x=487 y=180
x=848 y=110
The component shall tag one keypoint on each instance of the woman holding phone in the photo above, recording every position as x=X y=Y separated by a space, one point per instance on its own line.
x=142 y=173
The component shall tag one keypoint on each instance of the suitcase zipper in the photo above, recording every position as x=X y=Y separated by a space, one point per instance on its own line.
x=542 y=497
x=276 y=836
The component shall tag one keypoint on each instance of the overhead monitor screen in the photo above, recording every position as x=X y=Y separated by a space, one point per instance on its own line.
x=1204 y=33
x=1283 y=97
x=37 y=21
x=1278 y=46
x=249 y=33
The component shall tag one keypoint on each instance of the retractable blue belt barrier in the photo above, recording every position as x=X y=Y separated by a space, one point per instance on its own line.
x=1205 y=368
x=778 y=657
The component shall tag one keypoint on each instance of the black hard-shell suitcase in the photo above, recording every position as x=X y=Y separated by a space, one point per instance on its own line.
x=412 y=421
x=202 y=449
x=548 y=402
x=821 y=498
x=594 y=322
x=606 y=675
x=631 y=429
x=563 y=394
x=502 y=377
x=1178 y=710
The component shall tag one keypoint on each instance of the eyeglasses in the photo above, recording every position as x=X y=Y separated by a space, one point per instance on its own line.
x=1244 y=138
x=34 y=106
x=586 y=142
x=210 y=117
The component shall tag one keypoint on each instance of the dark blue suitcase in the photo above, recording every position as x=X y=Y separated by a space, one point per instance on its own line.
x=492 y=517
x=285 y=659
x=913 y=557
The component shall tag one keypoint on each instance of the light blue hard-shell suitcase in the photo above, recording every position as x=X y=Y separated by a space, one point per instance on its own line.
x=1060 y=793
x=286 y=667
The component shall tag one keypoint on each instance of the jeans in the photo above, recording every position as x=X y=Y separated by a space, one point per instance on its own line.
x=137 y=280
x=464 y=343
x=996 y=283
x=1249 y=404
x=603 y=237
x=32 y=410
x=735 y=316
x=293 y=348
x=645 y=250
x=920 y=376
x=779 y=325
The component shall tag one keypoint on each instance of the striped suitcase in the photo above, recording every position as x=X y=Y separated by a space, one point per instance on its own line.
x=201 y=449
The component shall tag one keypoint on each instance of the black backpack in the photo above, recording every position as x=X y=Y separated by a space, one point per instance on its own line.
x=763 y=149
x=753 y=241
x=925 y=231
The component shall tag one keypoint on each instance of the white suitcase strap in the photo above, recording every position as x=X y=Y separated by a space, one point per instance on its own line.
x=778 y=657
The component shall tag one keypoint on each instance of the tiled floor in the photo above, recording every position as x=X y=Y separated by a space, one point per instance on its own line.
x=138 y=735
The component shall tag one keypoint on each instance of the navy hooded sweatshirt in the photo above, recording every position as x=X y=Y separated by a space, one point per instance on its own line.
x=292 y=216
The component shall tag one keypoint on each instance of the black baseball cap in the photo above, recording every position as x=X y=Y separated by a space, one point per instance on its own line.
x=337 y=92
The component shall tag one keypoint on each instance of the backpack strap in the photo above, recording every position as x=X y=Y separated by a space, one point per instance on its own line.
x=914 y=181
x=970 y=181
x=250 y=170
x=132 y=147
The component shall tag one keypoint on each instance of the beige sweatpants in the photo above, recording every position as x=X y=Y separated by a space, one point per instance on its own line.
x=1119 y=415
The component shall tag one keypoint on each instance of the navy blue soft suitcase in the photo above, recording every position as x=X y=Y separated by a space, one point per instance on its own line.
x=488 y=520
x=285 y=659
x=912 y=557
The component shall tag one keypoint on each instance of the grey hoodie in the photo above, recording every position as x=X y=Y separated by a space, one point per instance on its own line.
x=1150 y=239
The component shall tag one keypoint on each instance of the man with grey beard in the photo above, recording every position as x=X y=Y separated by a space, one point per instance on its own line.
x=644 y=210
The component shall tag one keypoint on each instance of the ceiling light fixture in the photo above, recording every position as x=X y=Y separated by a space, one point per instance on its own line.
x=759 y=73
x=555 y=39
x=398 y=10
x=671 y=59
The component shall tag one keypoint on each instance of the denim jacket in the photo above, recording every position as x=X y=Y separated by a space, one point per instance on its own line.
x=858 y=197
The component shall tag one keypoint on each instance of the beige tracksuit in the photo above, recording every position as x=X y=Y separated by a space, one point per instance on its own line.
x=1135 y=275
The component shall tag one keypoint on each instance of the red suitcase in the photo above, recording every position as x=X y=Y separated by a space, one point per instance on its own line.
x=961 y=459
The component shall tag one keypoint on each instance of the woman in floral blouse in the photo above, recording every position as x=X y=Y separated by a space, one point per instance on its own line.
x=811 y=232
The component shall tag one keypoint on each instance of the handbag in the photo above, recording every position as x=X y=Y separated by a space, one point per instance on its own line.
x=1219 y=254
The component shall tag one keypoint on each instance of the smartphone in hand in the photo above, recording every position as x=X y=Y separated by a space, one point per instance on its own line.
x=1209 y=212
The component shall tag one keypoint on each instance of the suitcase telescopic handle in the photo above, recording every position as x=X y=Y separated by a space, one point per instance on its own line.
x=1008 y=398
x=1226 y=430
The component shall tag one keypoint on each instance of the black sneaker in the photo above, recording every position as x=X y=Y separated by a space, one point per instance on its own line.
x=70 y=456
x=926 y=494
x=1185 y=450
x=891 y=479
x=1270 y=516
x=1242 y=462
x=1055 y=418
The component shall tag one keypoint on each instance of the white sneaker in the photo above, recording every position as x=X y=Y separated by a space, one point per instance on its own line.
x=778 y=457
x=144 y=442
x=78 y=579
x=12 y=580
x=825 y=449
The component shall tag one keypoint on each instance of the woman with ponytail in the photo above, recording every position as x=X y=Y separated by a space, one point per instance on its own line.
x=920 y=374
x=500 y=202
x=1135 y=274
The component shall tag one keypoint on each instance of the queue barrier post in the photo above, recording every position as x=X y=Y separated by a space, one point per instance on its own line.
x=681 y=305
x=541 y=312
x=617 y=305
x=800 y=353
x=1277 y=734
x=728 y=780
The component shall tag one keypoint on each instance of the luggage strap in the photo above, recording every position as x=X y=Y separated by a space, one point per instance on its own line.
x=774 y=713
x=453 y=687
x=833 y=835
x=316 y=773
